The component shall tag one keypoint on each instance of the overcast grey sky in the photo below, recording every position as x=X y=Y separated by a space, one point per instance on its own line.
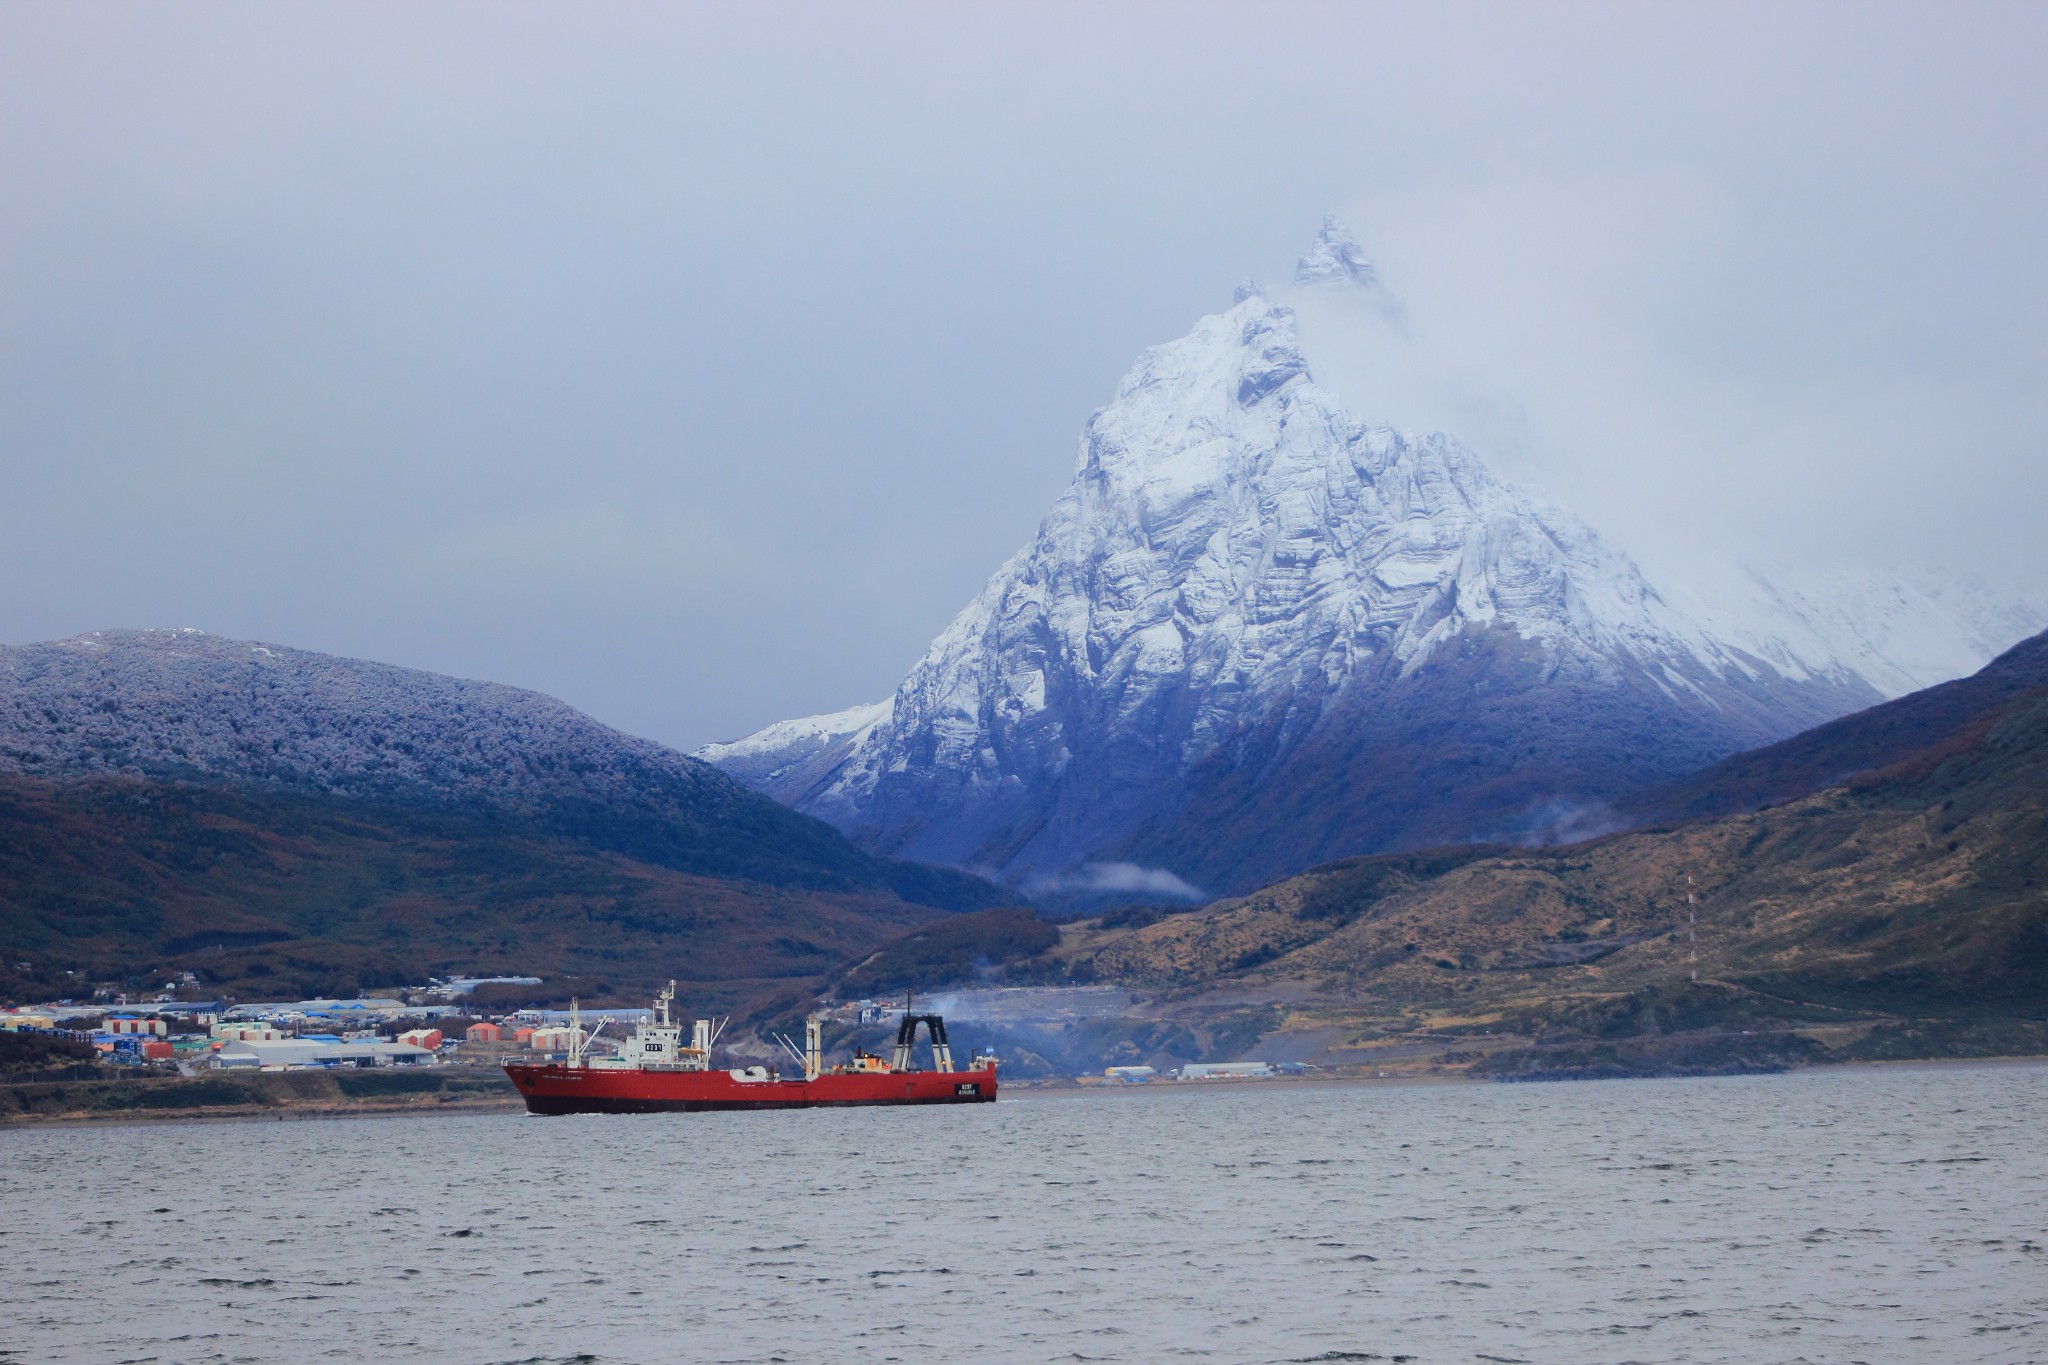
x=695 y=364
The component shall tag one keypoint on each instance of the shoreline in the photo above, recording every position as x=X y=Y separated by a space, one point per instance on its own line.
x=1071 y=1090
x=487 y=1102
x=257 y=1097
x=254 y=1113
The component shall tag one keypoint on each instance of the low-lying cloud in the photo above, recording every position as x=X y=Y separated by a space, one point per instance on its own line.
x=1127 y=879
x=1562 y=820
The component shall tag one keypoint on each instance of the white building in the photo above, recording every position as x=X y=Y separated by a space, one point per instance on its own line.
x=1224 y=1071
x=291 y=1054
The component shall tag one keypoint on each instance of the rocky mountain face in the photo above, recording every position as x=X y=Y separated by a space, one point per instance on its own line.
x=1259 y=631
x=182 y=705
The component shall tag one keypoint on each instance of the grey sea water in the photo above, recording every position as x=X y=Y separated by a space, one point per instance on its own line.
x=1881 y=1215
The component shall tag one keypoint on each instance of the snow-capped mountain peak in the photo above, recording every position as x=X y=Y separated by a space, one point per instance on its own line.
x=1260 y=630
x=1335 y=258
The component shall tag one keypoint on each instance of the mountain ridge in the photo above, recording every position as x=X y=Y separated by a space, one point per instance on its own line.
x=183 y=705
x=1864 y=741
x=1258 y=631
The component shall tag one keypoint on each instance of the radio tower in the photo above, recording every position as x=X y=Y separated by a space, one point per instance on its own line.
x=1692 y=930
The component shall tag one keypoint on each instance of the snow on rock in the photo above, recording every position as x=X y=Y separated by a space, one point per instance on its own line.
x=1900 y=631
x=183 y=704
x=1259 y=630
x=1335 y=258
x=811 y=729
x=788 y=756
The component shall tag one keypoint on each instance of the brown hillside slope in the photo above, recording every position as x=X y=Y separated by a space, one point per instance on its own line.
x=1915 y=893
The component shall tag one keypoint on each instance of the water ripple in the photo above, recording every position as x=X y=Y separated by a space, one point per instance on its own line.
x=1880 y=1216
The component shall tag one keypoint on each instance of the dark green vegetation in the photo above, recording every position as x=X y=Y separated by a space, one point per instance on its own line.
x=1893 y=912
x=279 y=894
x=144 y=1094
x=957 y=949
x=44 y=1057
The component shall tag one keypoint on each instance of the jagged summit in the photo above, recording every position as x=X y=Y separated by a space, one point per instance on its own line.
x=1259 y=631
x=1336 y=258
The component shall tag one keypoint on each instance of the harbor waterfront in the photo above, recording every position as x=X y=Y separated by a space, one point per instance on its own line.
x=1878 y=1215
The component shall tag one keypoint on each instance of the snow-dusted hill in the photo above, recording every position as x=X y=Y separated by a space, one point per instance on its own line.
x=1259 y=631
x=183 y=705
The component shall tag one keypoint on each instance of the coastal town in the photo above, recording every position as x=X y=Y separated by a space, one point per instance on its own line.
x=456 y=1023
x=414 y=1026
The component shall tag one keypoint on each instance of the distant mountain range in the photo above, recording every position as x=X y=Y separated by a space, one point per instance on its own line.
x=1875 y=888
x=274 y=817
x=1260 y=630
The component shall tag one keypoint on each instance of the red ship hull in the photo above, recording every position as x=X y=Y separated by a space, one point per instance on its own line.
x=551 y=1088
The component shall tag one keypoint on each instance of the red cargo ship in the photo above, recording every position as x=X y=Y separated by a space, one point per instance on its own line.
x=653 y=1071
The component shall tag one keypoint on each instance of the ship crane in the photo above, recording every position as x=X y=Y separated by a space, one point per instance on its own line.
x=906 y=1038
